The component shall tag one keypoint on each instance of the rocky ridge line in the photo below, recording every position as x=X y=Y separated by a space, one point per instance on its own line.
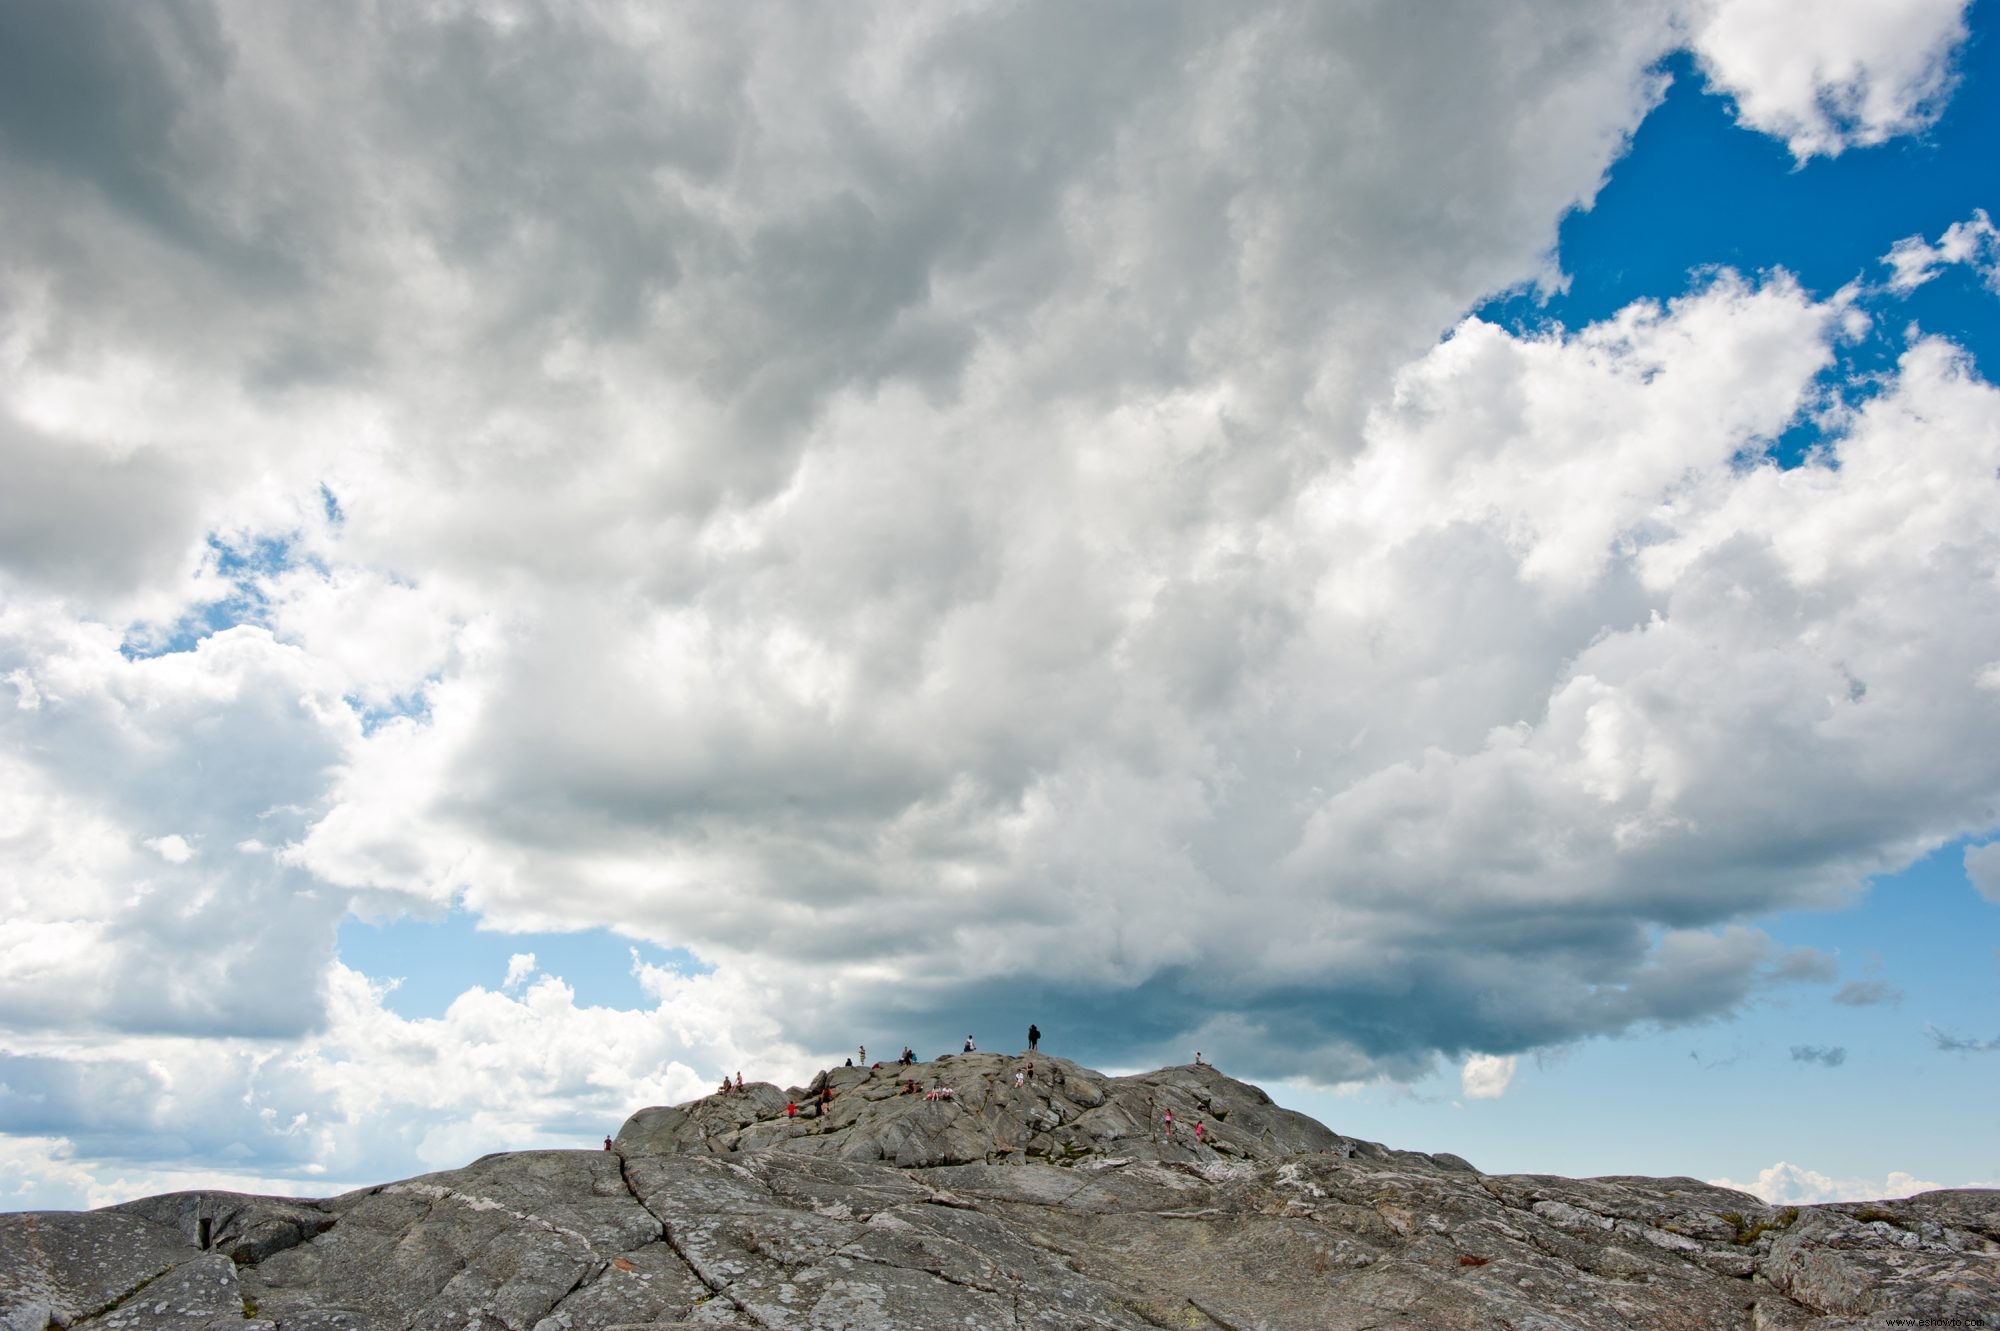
x=1045 y=1206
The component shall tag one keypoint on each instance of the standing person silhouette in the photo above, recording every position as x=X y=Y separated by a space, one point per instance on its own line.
x=1034 y=1037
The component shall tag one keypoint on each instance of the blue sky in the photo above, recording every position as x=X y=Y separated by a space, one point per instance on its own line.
x=1445 y=570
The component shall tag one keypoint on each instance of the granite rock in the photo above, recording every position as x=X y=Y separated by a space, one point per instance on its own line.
x=1049 y=1205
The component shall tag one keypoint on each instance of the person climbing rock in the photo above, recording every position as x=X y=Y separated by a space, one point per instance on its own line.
x=1034 y=1037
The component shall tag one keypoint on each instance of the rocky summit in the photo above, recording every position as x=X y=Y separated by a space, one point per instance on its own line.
x=1062 y=1202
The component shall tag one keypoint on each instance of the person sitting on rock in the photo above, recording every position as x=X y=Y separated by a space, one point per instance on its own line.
x=1197 y=1059
x=970 y=1047
x=726 y=1087
x=739 y=1079
x=1018 y=1079
x=1029 y=1070
x=909 y=1056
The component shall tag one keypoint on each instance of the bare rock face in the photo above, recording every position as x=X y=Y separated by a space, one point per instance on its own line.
x=1055 y=1204
x=1062 y=1114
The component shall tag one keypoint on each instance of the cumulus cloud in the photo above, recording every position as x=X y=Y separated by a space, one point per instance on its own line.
x=1974 y=242
x=1826 y=1056
x=519 y=967
x=1982 y=869
x=1486 y=1077
x=1825 y=76
x=1788 y=1184
x=924 y=511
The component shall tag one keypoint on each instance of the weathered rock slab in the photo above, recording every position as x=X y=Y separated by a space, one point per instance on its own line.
x=1052 y=1206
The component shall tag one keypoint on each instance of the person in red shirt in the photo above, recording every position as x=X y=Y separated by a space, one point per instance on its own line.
x=791 y=1109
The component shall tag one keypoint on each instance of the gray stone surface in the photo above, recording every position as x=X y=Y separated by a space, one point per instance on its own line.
x=63 y=1266
x=1039 y=1207
x=245 y=1228
x=199 y=1293
x=870 y=1119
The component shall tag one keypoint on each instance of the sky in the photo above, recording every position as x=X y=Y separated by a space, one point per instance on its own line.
x=550 y=554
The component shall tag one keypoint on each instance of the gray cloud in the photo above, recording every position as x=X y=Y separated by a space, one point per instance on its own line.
x=952 y=516
x=91 y=522
x=1948 y=1043
x=1827 y=1056
x=1867 y=993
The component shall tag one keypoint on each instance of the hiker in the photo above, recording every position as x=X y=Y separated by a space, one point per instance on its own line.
x=1030 y=1070
x=1197 y=1059
x=791 y=1109
x=1034 y=1037
x=739 y=1079
x=1018 y=1079
x=726 y=1087
x=861 y=1056
x=1169 y=1123
x=909 y=1056
x=970 y=1047
x=607 y=1143
x=1199 y=1137
x=850 y=1062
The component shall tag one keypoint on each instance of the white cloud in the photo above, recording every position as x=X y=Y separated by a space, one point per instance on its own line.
x=1788 y=1184
x=1486 y=1076
x=896 y=505
x=1974 y=242
x=1825 y=75
x=172 y=848
x=519 y=967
